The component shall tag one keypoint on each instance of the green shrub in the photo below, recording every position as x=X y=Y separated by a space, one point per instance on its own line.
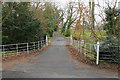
x=67 y=33
x=110 y=46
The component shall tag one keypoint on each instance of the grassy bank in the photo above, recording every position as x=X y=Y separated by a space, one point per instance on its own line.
x=86 y=35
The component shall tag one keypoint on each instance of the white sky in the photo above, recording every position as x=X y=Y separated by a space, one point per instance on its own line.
x=98 y=10
x=63 y=3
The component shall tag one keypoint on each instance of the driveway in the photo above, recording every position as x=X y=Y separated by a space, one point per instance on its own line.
x=55 y=62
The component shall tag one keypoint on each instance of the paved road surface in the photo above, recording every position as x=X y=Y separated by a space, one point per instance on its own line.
x=55 y=63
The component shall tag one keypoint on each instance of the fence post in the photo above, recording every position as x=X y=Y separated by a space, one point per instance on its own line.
x=82 y=42
x=85 y=49
x=3 y=51
x=17 y=48
x=34 y=46
x=97 y=59
x=71 y=40
x=27 y=48
x=46 y=40
x=38 y=45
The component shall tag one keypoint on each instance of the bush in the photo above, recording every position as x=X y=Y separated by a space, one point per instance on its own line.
x=110 y=47
x=50 y=32
x=67 y=33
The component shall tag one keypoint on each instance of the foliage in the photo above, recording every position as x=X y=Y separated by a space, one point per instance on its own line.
x=78 y=34
x=70 y=18
x=111 y=26
x=110 y=46
x=26 y=23
x=111 y=40
x=111 y=17
x=20 y=26
x=67 y=33
x=49 y=17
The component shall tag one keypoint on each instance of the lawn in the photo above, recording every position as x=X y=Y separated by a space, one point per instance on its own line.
x=87 y=35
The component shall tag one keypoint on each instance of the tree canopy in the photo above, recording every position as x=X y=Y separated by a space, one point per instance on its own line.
x=25 y=23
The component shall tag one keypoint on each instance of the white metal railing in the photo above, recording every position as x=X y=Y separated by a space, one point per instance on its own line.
x=92 y=50
x=86 y=48
x=10 y=49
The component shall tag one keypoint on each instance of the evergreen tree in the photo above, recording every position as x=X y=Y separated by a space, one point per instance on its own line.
x=20 y=26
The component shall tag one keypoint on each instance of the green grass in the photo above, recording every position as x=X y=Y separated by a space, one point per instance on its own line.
x=6 y=52
x=59 y=30
x=87 y=35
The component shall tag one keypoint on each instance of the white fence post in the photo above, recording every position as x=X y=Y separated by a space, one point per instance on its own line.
x=85 y=49
x=97 y=59
x=3 y=51
x=46 y=40
x=71 y=40
x=27 y=48
x=38 y=45
x=82 y=42
x=34 y=46
x=17 y=48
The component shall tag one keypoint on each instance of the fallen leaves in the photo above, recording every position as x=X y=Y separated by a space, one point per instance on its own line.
x=80 y=58
x=10 y=61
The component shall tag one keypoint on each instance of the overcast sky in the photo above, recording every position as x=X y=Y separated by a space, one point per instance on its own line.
x=63 y=3
x=98 y=10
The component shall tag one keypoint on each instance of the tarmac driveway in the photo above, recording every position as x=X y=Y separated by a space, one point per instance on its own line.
x=55 y=62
